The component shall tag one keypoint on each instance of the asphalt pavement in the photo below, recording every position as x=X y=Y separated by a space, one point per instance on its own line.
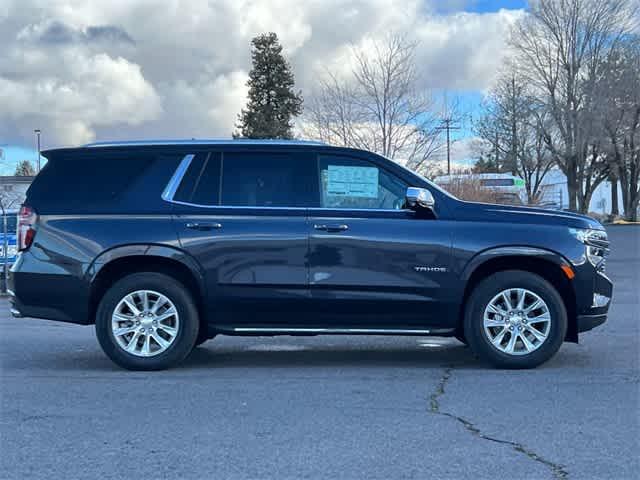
x=326 y=407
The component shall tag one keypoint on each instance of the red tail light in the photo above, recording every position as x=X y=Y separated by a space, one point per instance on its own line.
x=27 y=219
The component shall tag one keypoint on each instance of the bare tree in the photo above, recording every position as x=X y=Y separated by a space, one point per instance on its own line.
x=470 y=188
x=512 y=130
x=559 y=46
x=24 y=169
x=619 y=113
x=379 y=107
x=333 y=115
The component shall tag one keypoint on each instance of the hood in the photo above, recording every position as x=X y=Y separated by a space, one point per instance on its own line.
x=527 y=215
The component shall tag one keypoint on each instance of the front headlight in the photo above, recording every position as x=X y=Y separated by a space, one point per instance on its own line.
x=596 y=244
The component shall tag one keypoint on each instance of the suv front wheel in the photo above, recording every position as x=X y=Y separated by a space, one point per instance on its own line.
x=515 y=319
x=147 y=321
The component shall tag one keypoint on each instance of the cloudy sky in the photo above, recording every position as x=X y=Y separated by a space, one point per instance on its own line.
x=84 y=70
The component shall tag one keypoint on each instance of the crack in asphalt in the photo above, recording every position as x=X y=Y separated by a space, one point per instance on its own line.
x=559 y=471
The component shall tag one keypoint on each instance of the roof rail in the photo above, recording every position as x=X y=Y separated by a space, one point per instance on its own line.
x=213 y=141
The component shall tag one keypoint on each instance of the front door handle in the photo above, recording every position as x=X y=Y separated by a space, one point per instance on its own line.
x=332 y=227
x=203 y=226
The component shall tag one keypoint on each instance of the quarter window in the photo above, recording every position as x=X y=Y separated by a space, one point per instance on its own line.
x=347 y=182
x=88 y=180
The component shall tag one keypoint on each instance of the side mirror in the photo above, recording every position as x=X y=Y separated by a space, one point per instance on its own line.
x=419 y=198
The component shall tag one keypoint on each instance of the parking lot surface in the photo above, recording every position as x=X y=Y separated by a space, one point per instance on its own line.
x=326 y=407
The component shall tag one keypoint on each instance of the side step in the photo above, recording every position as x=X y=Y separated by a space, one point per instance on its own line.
x=251 y=330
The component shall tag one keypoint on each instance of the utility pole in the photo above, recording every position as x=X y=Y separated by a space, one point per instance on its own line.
x=37 y=132
x=448 y=124
x=496 y=153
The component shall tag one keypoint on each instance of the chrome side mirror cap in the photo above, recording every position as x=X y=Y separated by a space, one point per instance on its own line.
x=417 y=197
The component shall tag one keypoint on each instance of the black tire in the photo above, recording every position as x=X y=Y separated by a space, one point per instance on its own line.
x=201 y=339
x=187 y=330
x=460 y=337
x=485 y=291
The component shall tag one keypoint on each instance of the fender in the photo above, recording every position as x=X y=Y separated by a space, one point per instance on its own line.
x=510 y=251
x=150 y=250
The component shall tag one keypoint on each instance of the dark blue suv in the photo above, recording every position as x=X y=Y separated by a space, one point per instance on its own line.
x=164 y=245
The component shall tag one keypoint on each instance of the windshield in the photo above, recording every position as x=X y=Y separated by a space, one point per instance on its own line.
x=497 y=182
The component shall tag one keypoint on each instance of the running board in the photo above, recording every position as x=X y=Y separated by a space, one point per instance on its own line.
x=234 y=330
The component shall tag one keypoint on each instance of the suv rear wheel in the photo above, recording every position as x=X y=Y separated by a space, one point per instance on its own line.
x=515 y=319
x=147 y=321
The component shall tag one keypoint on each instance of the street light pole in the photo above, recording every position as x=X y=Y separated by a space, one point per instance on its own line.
x=37 y=132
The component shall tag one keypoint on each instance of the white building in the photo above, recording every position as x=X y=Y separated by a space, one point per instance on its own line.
x=13 y=190
x=555 y=192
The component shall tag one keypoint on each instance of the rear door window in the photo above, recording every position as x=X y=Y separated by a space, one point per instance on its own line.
x=265 y=179
x=201 y=183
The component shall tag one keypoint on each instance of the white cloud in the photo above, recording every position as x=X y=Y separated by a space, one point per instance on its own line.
x=464 y=50
x=144 y=68
x=80 y=94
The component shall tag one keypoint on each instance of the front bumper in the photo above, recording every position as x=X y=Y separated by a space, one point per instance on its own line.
x=589 y=322
x=595 y=312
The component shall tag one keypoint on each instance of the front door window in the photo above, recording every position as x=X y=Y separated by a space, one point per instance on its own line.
x=350 y=183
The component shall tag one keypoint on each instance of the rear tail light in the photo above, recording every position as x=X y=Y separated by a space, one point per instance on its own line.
x=27 y=219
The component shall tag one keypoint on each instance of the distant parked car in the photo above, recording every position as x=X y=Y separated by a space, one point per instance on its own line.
x=164 y=245
x=12 y=250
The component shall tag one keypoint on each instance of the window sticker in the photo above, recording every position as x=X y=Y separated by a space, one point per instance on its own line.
x=352 y=181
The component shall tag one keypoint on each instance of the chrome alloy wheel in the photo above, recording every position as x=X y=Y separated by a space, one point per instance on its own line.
x=517 y=321
x=145 y=323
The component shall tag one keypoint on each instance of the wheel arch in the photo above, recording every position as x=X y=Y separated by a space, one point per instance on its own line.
x=546 y=263
x=119 y=262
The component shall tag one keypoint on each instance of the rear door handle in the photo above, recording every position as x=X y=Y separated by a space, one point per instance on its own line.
x=332 y=227
x=204 y=226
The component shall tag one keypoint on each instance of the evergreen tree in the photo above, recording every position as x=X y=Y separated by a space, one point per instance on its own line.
x=272 y=102
x=486 y=165
x=24 y=169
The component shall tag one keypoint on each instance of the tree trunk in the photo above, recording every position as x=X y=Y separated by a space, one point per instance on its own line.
x=615 y=211
x=584 y=201
x=572 y=189
x=631 y=207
